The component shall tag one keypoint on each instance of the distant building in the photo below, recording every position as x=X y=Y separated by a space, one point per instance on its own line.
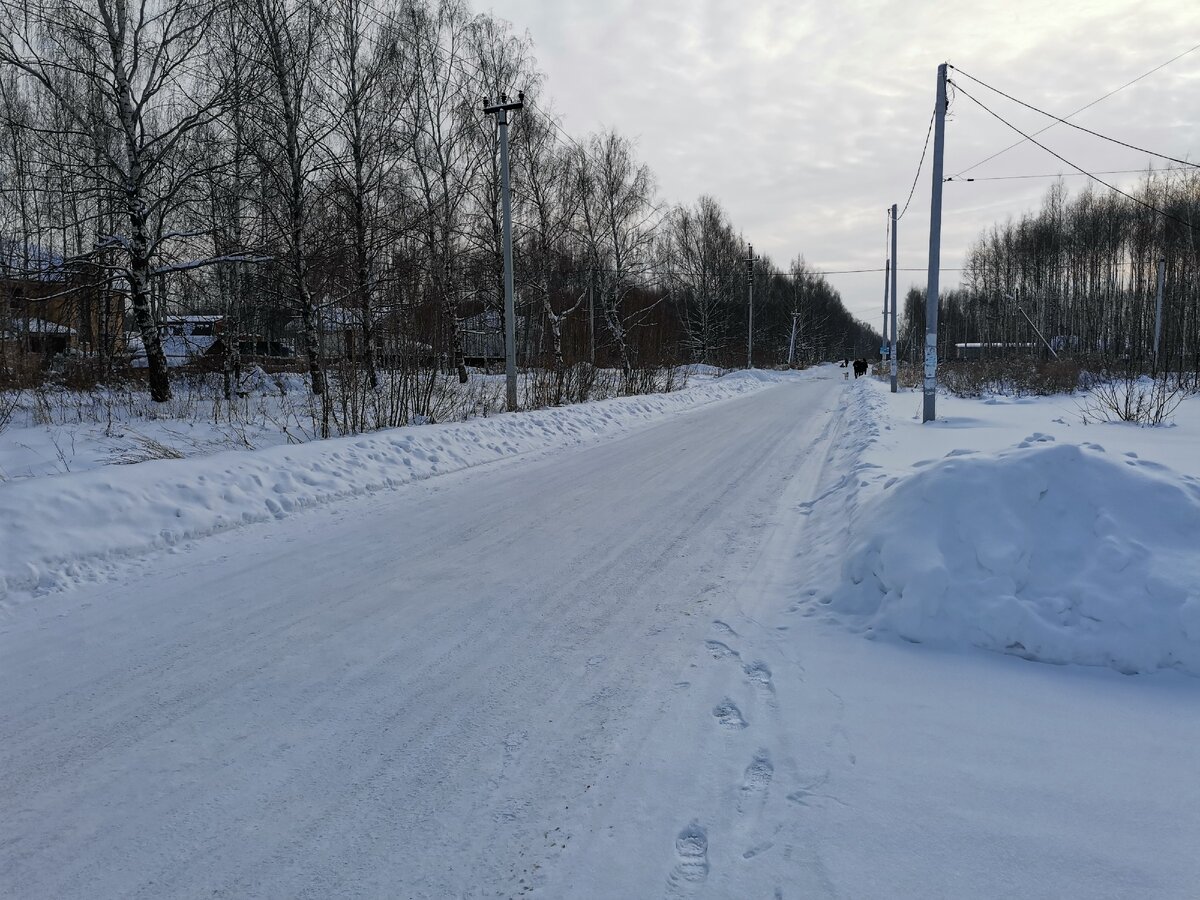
x=985 y=349
x=48 y=306
x=185 y=340
x=199 y=340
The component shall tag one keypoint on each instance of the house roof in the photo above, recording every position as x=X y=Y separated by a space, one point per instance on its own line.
x=23 y=260
x=21 y=327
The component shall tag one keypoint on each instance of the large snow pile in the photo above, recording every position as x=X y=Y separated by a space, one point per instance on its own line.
x=59 y=529
x=1054 y=552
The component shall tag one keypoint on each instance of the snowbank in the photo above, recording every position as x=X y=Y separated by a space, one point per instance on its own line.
x=59 y=529
x=1054 y=552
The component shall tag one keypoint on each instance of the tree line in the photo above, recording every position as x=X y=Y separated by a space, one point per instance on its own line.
x=308 y=166
x=1083 y=270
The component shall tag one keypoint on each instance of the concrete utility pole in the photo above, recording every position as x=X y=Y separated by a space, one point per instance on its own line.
x=592 y=317
x=500 y=111
x=750 y=280
x=929 y=407
x=1162 y=271
x=792 y=342
x=1041 y=337
x=887 y=272
x=894 y=298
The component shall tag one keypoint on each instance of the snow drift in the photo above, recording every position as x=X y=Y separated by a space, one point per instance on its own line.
x=60 y=529
x=1057 y=553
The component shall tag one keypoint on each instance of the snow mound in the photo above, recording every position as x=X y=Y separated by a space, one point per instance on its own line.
x=701 y=369
x=59 y=530
x=1053 y=552
x=766 y=376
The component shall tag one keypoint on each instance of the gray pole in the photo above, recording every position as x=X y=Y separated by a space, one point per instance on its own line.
x=929 y=407
x=510 y=317
x=887 y=272
x=592 y=317
x=1162 y=271
x=894 y=298
x=750 y=303
x=1038 y=333
x=792 y=342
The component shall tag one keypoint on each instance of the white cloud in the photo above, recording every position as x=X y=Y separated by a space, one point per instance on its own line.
x=806 y=119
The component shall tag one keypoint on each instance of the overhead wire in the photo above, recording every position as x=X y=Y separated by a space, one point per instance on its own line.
x=912 y=190
x=1078 y=168
x=1144 y=171
x=1062 y=121
x=1086 y=106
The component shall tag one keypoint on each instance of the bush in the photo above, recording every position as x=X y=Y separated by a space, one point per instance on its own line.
x=1140 y=400
x=1014 y=376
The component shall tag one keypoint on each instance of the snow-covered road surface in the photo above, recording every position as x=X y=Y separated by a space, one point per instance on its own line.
x=571 y=676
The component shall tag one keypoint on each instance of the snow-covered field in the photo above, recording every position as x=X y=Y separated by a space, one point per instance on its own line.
x=628 y=659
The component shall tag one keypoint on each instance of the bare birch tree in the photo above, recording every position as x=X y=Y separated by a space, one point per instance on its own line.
x=289 y=46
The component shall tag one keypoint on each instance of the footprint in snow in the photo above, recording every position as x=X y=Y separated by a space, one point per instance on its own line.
x=756 y=781
x=759 y=674
x=720 y=650
x=723 y=628
x=728 y=715
x=691 y=866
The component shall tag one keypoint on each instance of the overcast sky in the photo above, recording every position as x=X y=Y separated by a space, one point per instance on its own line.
x=806 y=120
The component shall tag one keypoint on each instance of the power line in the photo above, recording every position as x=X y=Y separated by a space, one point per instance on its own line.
x=1082 y=171
x=913 y=189
x=1149 y=171
x=1062 y=121
x=1078 y=111
x=735 y=273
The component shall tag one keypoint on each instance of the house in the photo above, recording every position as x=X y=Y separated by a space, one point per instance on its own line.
x=199 y=340
x=185 y=340
x=483 y=337
x=48 y=306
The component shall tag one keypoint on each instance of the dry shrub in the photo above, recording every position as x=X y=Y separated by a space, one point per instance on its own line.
x=1140 y=400
x=1013 y=376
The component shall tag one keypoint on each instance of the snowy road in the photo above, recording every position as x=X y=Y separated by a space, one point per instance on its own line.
x=570 y=676
x=405 y=695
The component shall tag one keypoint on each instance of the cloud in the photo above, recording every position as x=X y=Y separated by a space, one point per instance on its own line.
x=806 y=119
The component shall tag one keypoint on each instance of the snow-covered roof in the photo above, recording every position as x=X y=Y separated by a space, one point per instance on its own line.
x=177 y=348
x=976 y=345
x=27 y=261
x=32 y=325
x=183 y=320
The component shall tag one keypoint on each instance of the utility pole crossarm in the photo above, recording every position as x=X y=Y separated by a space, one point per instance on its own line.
x=504 y=103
